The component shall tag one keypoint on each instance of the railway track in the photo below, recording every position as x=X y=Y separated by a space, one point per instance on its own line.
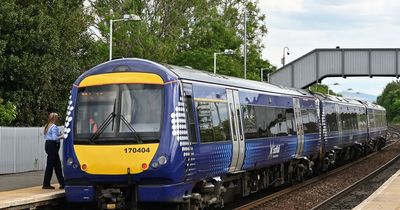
x=328 y=202
x=261 y=203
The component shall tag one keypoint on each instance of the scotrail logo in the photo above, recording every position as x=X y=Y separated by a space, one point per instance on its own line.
x=274 y=151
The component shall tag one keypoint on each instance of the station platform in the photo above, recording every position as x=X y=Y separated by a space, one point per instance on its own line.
x=385 y=197
x=24 y=190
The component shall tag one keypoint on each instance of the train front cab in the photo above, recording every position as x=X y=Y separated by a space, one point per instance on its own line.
x=118 y=149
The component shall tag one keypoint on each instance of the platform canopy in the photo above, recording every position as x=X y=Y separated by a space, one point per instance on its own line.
x=337 y=62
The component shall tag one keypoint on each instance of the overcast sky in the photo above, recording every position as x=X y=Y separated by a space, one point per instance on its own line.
x=304 y=25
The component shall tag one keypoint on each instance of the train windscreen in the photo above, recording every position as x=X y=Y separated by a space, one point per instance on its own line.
x=119 y=113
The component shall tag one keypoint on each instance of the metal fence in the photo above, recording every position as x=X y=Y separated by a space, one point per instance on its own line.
x=21 y=149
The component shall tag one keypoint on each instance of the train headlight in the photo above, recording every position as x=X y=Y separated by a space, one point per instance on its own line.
x=155 y=164
x=162 y=160
x=70 y=161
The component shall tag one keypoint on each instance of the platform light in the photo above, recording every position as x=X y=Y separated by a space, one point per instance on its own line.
x=125 y=17
x=225 y=52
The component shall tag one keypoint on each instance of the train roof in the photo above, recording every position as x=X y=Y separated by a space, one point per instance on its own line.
x=348 y=101
x=374 y=106
x=171 y=72
x=190 y=74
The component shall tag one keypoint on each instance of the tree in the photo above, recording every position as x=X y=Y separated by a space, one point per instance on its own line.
x=390 y=99
x=324 y=89
x=7 y=112
x=186 y=33
x=44 y=46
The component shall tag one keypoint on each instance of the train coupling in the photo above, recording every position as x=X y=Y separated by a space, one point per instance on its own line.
x=112 y=198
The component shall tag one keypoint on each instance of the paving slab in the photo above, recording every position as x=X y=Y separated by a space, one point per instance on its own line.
x=28 y=196
x=385 y=197
x=23 y=180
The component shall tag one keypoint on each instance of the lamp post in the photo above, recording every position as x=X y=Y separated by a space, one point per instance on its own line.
x=126 y=17
x=331 y=85
x=283 y=57
x=226 y=52
x=262 y=74
x=245 y=45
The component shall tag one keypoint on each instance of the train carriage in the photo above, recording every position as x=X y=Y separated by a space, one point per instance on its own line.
x=142 y=132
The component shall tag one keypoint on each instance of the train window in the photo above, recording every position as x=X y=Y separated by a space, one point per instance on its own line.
x=141 y=109
x=190 y=118
x=371 y=119
x=362 y=123
x=279 y=126
x=354 y=120
x=213 y=121
x=260 y=121
x=309 y=120
x=249 y=122
x=290 y=121
x=331 y=122
x=345 y=118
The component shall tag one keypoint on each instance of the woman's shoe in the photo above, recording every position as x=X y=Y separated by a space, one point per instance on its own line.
x=61 y=187
x=48 y=187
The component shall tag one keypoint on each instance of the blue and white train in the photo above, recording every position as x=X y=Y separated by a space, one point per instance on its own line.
x=140 y=132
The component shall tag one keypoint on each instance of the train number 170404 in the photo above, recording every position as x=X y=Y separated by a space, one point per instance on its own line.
x=137 y=150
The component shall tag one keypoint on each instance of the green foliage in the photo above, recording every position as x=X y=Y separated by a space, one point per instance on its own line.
x=390 y=99
x=187 y=33
x=8 y=112
x=320 y=88
x=44 y=46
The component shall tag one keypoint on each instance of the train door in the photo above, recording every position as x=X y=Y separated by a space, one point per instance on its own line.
x=299 y=127
x=236 y=124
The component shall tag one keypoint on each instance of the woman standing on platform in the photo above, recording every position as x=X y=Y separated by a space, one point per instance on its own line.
x=52 y=145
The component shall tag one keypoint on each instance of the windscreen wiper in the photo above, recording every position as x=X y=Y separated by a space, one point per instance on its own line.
x=138 y=139
x=110 y=118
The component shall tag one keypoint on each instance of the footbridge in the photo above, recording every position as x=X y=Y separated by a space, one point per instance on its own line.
x=337 y=62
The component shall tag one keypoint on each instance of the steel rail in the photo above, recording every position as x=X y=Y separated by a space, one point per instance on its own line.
x=254 y=204
x=350 y=188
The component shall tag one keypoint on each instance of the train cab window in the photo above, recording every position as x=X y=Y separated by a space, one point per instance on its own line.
x=141 y=111
x=124 y=113
x=213 y=121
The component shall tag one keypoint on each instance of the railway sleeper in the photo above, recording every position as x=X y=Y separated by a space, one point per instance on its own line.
x=215 y=191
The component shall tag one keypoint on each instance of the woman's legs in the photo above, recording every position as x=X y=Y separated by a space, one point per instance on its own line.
x=57 y=167
x=50 y=148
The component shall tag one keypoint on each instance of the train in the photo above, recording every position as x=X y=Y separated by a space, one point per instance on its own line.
x=139 y=132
